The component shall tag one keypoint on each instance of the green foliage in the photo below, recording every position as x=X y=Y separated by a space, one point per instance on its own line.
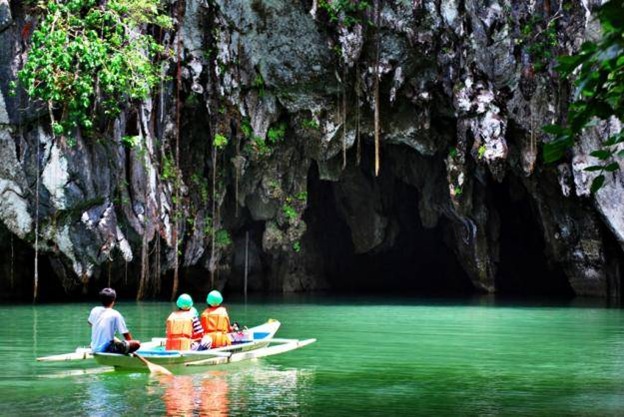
x=481 y=151
x=297 y=246
x=600 y=92
x=289 y=211
x=346 y=12
x=261 y=146
x=202 y=185
x=276 y=133
x=539 y=44
x=222 y=238
x=168 y=168
x=310 y=124
x=220 y=141
x=131 y=141
x=452 y=152
x=84 y=56
x=245 y=127
x=302 y=196
x=258 y=83
x=208 y=226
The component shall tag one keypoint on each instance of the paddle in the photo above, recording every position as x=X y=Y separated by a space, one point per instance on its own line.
x=153 y=368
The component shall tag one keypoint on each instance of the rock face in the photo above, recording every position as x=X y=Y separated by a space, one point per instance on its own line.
x=462 y=202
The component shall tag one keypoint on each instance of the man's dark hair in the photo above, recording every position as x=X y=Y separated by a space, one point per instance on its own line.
x=107 y=296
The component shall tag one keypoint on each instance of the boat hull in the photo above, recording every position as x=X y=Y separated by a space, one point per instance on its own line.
x=154 y=351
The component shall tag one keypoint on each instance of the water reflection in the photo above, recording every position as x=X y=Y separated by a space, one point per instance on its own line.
x=258 y=389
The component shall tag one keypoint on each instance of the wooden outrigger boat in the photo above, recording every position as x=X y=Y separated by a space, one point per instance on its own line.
x=259 y=342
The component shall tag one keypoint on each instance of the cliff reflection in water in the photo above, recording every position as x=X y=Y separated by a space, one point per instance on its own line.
x=255 y=389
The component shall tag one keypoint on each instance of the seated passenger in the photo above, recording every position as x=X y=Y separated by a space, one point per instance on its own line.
x=215 y=321
x=184 y=330
x=105 y=321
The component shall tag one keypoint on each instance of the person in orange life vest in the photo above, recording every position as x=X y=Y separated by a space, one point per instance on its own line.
x=184 y=330
x=215 y=320
x=105 y=321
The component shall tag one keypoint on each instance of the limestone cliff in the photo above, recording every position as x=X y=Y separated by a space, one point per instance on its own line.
x=462 y=200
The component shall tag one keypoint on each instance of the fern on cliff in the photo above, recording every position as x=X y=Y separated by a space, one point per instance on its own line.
x=87 y=55
x=600 y=93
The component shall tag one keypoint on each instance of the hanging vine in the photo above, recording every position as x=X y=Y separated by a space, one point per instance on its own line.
x=144 y=261
x=376 y=92
x=36 y=272
x=218 y=143
x=358 y=157
x=344 y=117
x=176 y=200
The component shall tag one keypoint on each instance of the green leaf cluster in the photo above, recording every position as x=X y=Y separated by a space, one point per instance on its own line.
x=599 y=71
x=276 y=133
x=290 y=212
x=481 y=151
x=346 y=12
x=540 y=46
x=258 y=145
x=220 y=141
x=222 y=238
x=310 y=124
x=128 y=141
x=86 y=56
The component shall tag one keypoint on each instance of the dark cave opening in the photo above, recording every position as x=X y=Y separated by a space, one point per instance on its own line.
x=523 y=267
x=416 y=261
x=17 y=265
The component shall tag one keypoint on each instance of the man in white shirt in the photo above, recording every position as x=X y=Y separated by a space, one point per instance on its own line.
x=105 y=322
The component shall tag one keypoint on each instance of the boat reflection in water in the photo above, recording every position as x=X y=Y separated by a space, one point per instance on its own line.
x=255 y=389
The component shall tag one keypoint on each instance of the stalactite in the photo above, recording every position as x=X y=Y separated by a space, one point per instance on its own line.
x=110 y=267
x=376 y=72
x=36 y=277
x=144 y=266
x=214 y=215
x=237 y=173
x=176 y=266
x=143 y=277
x=156 y=265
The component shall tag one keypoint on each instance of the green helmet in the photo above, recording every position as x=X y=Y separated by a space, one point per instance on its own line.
x=185 y=302
x=214 y=298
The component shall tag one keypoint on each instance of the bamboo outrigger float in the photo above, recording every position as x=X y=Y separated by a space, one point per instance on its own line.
x=260 y=343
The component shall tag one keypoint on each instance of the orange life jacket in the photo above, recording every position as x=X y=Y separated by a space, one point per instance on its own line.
x=180 y=331
x=216 y=324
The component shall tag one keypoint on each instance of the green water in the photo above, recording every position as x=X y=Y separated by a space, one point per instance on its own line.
x=373 y=357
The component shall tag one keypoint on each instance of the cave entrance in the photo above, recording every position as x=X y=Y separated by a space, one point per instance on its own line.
x=415 y=259
x=17 y=271
x=523 y=265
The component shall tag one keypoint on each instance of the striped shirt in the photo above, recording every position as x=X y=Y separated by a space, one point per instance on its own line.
x=197 y=327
